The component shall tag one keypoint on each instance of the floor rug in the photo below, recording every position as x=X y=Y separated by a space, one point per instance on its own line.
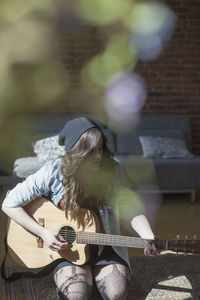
x=163 y=277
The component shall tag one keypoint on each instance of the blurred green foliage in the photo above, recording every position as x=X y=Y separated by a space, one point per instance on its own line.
x=30 y=75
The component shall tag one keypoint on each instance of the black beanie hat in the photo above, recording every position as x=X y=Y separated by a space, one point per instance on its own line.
x=73 y=130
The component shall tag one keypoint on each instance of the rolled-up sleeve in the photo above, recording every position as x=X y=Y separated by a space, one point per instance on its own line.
x=32 y=187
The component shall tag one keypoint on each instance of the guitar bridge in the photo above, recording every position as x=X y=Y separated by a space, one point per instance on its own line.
x=40 y=242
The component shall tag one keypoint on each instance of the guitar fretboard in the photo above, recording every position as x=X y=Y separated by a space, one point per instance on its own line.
x=109 y=240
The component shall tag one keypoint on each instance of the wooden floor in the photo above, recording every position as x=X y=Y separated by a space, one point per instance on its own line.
x=176 y=216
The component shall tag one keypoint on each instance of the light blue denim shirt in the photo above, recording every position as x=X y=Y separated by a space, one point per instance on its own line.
x=45 y=182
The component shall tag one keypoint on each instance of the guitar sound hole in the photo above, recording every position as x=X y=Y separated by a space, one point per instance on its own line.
x=68 y=233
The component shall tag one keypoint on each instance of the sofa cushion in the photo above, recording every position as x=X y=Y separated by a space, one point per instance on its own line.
x=164 y=147
x=130 y=143
x=178 y=173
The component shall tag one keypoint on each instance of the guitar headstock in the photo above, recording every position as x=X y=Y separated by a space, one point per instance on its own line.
x=191 y=246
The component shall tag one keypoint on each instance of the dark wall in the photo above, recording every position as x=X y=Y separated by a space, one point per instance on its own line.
x=173 y=79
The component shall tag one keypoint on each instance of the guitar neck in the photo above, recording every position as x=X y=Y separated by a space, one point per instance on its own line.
x=116 y=240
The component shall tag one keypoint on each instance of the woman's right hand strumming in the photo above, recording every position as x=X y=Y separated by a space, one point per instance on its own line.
x=53 y=240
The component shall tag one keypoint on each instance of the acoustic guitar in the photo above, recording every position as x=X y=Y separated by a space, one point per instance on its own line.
x=81 y=231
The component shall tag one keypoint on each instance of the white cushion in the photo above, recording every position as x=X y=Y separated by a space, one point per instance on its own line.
x=25 y=166
x=48 y=148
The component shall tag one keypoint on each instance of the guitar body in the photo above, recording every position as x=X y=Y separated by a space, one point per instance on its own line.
x=29 y=251
x=24 y=247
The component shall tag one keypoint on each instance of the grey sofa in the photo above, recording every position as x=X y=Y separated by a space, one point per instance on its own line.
x=170 y=175
x=157 y=174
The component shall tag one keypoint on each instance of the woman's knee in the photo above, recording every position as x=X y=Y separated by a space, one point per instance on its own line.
x=77 y=294
x=75 y=290
x=73 y=283
x=114 y=293
x=111 y=282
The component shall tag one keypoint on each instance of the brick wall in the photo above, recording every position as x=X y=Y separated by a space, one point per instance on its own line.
x=173 y=79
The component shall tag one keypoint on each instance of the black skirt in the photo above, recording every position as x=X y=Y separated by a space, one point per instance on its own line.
x=107 y=257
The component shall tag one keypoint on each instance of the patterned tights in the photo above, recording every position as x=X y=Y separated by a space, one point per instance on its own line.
x=75 y=283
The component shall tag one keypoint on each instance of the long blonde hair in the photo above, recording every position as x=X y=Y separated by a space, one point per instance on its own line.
x=74 y=195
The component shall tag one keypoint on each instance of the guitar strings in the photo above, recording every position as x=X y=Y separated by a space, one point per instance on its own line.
x=106 y=239
x=96 y=235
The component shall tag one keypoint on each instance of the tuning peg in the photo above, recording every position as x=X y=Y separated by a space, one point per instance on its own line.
x=184 y=250
x=177 y=238
x=186 y=238
x=194 y=238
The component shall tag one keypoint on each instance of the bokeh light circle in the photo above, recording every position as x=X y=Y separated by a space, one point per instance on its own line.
x=125 y=96
x=151 y=25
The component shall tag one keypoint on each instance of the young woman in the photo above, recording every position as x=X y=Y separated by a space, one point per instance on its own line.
x=86 y=177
